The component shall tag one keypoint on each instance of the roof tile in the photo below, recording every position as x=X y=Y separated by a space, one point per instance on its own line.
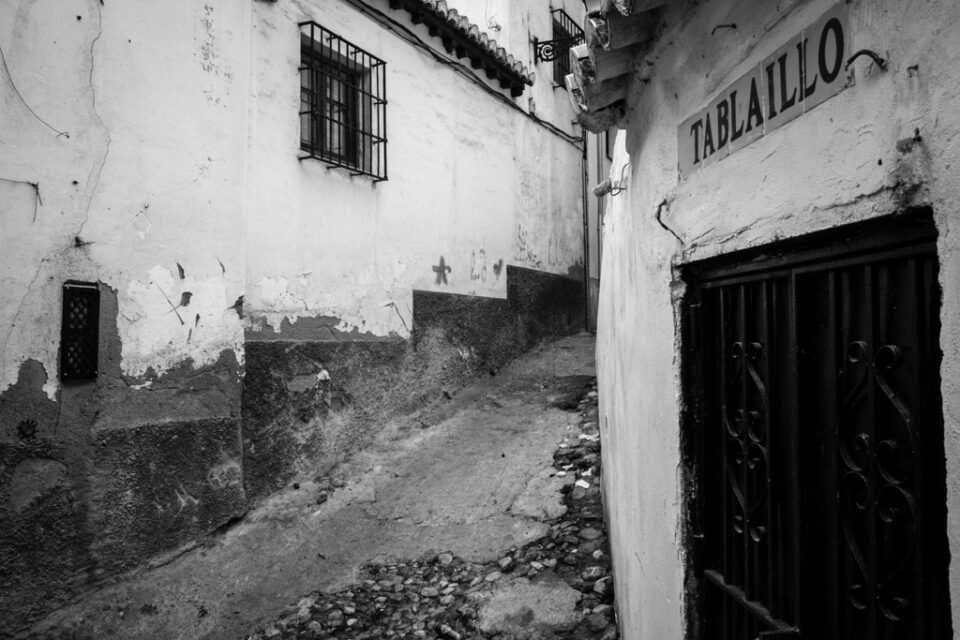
x=472 y=31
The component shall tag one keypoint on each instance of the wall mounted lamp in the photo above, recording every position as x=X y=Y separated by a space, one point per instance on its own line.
x=613 y=188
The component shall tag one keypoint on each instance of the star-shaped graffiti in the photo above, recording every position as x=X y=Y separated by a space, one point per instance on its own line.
x=442 y=270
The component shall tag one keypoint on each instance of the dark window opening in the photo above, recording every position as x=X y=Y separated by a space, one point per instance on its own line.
x=812 y=377
x=343 y=105
x=80 y=331
x=566 y=34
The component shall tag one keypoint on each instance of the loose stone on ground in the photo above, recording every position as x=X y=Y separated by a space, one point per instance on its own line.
x=555 y=588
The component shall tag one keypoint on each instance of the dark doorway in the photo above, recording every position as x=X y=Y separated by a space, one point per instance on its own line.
x=813 y=387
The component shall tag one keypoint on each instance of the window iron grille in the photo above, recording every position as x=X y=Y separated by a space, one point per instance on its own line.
x=566 y=34
x=343 y=106
x=80 y=331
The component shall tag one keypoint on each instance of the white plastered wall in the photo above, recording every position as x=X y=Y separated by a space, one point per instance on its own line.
x=819 y=171
x=520 y=23
x=470 y=179
x=129 y=118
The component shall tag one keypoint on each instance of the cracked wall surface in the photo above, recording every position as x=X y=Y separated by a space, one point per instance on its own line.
x=150 y=150
x=338 y=267
x=122 y=152
x=127 y=187
x=312 y=396
x=849 y=159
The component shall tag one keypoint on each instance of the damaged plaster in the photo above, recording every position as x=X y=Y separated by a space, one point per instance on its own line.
x=504 y=190
x=121 y=168
x=89 y=193
x=166 y=319
x=151 y=150
x=60 y=145
x=369 y=301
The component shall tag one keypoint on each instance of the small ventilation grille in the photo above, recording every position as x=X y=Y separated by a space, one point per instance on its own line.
x=80 y=331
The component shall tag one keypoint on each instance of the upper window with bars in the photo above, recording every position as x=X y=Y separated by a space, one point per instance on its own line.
x=343 y=106
x=566 y=34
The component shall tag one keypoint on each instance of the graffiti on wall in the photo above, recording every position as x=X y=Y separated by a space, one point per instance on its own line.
x=564 y=249
x=174 y=505
x=478 y=265
x=479 y=269
x=225 y=475
x=526 y=254
x=442 y=270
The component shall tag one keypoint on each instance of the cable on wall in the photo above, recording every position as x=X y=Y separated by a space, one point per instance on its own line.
x=37 y=201
x=3 y=60
x=663 y=224
x=406 y=34
x=619 y=188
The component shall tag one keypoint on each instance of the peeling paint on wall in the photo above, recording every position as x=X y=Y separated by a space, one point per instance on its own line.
x=367 y=247
x=116 y=196
x=156 y=336
x=379 y=304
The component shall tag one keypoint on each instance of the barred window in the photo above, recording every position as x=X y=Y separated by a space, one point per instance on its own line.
x=343 y=106
x=566 y=34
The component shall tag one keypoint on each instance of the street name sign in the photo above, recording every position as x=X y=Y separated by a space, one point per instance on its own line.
x=797 y=77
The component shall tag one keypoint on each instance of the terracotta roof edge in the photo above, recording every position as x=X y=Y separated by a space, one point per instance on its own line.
x=448 y=18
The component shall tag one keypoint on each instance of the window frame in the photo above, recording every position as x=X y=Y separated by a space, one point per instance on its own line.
x=566 y=34
x=342 y=103
x=79 y=353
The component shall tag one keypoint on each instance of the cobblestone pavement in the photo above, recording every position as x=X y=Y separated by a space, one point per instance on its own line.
x=558 y=587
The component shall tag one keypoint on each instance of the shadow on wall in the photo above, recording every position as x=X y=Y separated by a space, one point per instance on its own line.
x=493 y=331
x=306 y=404
x=107 y=475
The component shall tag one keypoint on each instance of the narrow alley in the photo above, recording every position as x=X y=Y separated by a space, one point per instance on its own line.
x=303 y=333
x=477 y=517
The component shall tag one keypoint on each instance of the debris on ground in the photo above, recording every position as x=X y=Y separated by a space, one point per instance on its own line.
x=557 y=588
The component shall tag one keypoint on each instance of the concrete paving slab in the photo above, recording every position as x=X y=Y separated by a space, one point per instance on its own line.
x=541 y=497
x=530 y=609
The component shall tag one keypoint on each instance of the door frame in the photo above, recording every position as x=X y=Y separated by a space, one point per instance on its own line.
x=904 y=230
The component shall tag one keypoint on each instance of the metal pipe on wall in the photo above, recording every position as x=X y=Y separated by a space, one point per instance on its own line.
x=602 y=144
x=585 y=173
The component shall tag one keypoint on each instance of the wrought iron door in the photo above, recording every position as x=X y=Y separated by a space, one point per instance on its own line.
x=821 y=475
